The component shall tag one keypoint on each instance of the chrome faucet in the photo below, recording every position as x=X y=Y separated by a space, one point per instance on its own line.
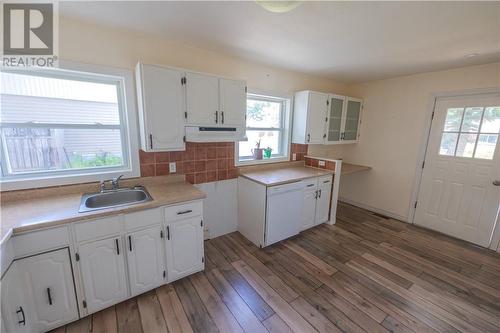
x=115 y=182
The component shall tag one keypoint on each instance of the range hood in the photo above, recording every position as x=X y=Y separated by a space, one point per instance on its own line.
x=214 y=134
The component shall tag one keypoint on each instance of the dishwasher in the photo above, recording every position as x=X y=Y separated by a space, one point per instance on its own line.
x=283 y=212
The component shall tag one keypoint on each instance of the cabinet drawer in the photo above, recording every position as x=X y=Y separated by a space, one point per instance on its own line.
x=95 y=229
x=143 y=218
x=183 y=211
x=39 y=241
x=323 y=181
x=310 y=183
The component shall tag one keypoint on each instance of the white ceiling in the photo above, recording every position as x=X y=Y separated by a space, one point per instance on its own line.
x=345 y=41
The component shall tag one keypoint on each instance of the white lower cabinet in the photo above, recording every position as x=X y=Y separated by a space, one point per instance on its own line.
x=103 y=273
x=184 y=247
x=146 y=260
x=310 y=192
x=323 y=200
x=316 y=201
x=38 y=293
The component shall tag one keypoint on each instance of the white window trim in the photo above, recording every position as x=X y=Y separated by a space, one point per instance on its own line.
x=129 y=136
x=287 y=133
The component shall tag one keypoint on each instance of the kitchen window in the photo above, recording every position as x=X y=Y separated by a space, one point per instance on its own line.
x=267 y=130
x=59 y=123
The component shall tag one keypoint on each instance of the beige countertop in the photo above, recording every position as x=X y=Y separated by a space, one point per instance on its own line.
x=348 y=168
x=36 y=209
x=271 y=177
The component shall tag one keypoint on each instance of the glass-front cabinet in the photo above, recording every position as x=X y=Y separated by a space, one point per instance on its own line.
x=344 y=117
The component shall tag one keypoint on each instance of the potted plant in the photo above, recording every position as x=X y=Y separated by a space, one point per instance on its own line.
x=267 y=152
x=257 y=151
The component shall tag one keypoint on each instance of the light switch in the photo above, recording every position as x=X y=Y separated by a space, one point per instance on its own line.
x=321 y=163
x=171 y=167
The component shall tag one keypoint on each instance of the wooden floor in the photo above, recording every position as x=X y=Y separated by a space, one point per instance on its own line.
x=365 y=274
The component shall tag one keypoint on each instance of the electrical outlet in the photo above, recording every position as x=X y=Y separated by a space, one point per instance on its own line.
x=321 y=163
x=171 y=167
x=206 y=233
x=294 y=157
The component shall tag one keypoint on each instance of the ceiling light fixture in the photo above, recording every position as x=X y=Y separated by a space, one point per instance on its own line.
x=278 y=6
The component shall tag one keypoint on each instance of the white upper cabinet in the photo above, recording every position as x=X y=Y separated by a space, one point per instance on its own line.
x=202 y=100
x=309 y=117
x=321 y=118
x=103 y=273
x=161 y=107
x=145 y=258
x=233 y=99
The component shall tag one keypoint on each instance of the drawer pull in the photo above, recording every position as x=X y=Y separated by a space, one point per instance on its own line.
x=185 y=212
x=326 y=181
x=310 y=185
x=49 y=296
x=130 y=243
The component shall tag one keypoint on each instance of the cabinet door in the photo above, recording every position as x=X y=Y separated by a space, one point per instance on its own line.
x=184 y=248
x=146 y=263
x=48 y=281
x=202 y=99
x=233 y=102
x=309 y=203
x=16 y=311
x=316 y=117
x=103 y=273
x=162 y=109
x=323 y=201
x=334 y=125
x=352 y=120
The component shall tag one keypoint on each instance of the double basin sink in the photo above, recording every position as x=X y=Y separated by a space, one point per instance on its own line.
x=114 y=198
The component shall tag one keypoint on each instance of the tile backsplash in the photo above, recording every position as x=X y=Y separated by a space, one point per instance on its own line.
x=201 y=162
x=315 y=162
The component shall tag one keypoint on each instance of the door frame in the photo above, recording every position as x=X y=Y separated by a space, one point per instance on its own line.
x=424 y=142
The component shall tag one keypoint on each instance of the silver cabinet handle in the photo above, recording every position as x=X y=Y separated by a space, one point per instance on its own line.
x=185 y=212
x=151 y=141
x=222 y=118
x=216 y=117
x=496 y=182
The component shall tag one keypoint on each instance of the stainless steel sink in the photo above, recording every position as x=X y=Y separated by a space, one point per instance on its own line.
x=114 y=198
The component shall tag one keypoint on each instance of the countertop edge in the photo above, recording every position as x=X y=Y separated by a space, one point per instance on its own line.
x=291 y=180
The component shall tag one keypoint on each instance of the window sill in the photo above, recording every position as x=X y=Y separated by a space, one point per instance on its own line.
x=263 y=161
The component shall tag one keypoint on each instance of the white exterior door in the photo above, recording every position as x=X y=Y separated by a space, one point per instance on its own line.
x=458 y=195
x=202 y=100
x=323 y=201
x=309 y=203
x=146 y=263
x=184 y=247
x=316 y=117
x=233 y=102
x=103 y=273
x=48 y=280
x=163 y=106
x=16 y=312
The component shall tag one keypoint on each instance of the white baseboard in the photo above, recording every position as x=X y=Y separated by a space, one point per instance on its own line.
x=375 y=209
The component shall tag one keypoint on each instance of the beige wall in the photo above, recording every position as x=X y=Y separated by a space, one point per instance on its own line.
x=392 y=130
x=93 y=44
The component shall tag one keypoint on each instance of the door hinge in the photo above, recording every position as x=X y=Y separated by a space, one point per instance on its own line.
x=202 y=259
x=326 y=119
x=77 y=256
x=164 y=274
x=423 y=164
x=415 y=206
x=246 y=89
x=184 y=138
x=84 y=302
x=327 y=102
x=201 y=223
x=185 y=115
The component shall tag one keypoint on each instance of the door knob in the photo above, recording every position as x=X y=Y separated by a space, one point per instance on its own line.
x=496 y=182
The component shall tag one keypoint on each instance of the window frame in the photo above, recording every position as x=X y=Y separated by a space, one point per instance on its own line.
x=284 y=129
x=128 y=130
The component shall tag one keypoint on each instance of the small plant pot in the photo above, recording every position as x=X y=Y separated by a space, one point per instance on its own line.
x=257 y=153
